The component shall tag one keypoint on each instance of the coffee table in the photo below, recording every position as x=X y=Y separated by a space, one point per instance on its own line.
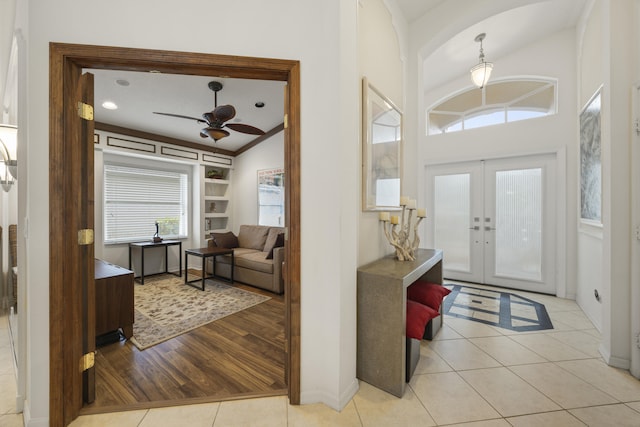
x=204 y=253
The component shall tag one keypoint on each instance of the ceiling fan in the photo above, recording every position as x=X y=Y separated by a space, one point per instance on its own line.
x=217 y=118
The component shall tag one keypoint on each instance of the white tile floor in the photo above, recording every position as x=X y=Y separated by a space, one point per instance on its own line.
x=472 y=374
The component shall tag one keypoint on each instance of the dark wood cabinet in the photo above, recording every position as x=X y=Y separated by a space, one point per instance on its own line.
x=114 y=299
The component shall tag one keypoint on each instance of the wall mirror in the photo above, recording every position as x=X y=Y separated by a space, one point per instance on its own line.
x=381 y=151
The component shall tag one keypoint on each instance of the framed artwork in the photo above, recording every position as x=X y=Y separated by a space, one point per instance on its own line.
x=382 y=140
x=271 y=197
x=590 y=161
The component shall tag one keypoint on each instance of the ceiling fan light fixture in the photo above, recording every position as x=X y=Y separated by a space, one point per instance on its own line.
x=481 y=72
x=216 y=119
x=214 y=133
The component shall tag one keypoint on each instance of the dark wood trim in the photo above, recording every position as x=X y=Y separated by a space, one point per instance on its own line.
x=57 y=386
x=111 y=142
x=72 y=57
x=259 y=139
x=293 y=222
x=160 y=138
x=164 y=150
x=106 y=127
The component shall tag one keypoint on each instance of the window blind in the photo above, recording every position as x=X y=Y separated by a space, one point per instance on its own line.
x=136 y=198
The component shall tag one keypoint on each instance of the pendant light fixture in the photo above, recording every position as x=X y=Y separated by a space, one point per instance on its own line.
x=480 y=73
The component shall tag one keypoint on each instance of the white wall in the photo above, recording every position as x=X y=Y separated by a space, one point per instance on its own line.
x=382 y=57
x=607 y=58
x=618 y=60
x=267 y=155
x=322 y=36
x=589 y=237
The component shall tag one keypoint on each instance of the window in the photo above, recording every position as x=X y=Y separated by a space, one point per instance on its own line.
x=497 y=103
x=271 y=197
x=136 y=198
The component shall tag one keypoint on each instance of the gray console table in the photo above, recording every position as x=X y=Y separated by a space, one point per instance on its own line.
x=382 y=299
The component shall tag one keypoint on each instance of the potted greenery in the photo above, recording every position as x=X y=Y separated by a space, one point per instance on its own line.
x=215 y=174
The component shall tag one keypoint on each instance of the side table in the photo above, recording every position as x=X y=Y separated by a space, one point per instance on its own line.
x=151 y=244
x=205 y=253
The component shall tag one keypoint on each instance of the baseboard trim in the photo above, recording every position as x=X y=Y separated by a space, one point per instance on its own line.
x=616 y=362
x=33 y=422
x=331 y=401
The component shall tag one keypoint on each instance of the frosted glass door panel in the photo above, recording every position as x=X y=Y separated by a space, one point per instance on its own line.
x=454 y=223
x=452 y=214
x=495 y=221
x=518 y=224
x=520 y=232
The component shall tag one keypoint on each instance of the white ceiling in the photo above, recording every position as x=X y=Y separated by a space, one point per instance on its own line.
x=414 y=9
x=188 y=96
x=506 y=33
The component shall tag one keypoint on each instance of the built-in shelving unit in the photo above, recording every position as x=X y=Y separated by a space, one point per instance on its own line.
x=215 y=201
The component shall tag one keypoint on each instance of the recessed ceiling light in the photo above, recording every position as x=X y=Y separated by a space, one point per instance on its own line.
x=122 y=82
x=109 y=105
x=259 y=104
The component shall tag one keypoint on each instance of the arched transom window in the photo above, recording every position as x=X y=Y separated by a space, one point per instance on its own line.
x=498 y=102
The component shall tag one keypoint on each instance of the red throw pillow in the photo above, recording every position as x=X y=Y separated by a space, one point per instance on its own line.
x=430 y=294
x=418 y=316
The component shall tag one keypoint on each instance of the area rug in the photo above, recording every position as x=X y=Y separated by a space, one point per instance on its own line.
x=496 y=308
x=165 y=307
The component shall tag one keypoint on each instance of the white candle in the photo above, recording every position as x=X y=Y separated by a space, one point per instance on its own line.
x=422 y=213
x=411 y=204
x=404 y=200
x=384 y=216
x=395 y=219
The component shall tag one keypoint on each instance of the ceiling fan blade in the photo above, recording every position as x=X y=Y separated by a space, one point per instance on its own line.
x=224 y=113
x=213 y=133
x=180 y=116
x=208 y=117
x=241 y=127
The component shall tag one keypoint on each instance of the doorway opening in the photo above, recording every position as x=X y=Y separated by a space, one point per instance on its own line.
x=68 y=271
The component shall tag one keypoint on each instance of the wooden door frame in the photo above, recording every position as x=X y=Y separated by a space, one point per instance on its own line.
x=65 y=60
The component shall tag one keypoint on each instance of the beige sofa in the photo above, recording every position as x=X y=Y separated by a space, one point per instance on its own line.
x=251 y=248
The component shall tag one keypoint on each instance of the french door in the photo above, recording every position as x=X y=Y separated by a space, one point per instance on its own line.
x=495 y=221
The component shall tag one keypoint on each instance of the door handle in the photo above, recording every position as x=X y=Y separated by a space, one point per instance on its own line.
x=487 y=228
x=476 y=228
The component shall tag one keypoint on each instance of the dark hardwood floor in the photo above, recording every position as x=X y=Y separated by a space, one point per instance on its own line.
x=238 y=356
